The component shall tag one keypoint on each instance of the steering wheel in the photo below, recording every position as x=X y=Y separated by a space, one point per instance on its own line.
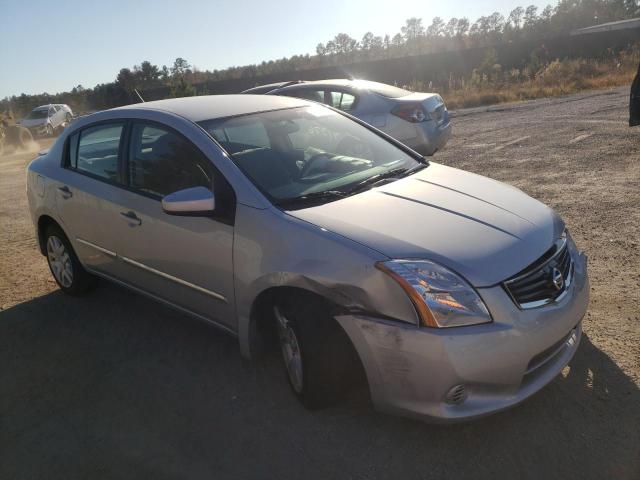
x=354 y=147
x=309 y=163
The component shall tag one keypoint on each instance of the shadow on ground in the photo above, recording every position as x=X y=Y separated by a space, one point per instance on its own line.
x=113 y=385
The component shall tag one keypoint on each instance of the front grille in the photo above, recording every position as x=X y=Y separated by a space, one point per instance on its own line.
x=545 y=281
x=456 y=394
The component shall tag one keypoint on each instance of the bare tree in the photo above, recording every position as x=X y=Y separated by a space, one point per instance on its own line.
x=450 y=28
x=531 y=17
x=345 y=44
x=496 y=22
x=462 y=27
x=412 y=29
x=436 y=29
x=515 y=17
x=367 y=41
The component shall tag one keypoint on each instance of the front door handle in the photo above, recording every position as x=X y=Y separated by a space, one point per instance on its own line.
x=131 y=217
x=66 y=192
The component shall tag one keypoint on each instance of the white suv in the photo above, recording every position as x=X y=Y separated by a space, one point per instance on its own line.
x=45 y=120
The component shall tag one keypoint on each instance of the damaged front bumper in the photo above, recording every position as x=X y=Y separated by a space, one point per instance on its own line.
x=412 y=371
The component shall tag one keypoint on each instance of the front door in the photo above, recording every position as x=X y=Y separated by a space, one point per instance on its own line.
x=183 y=259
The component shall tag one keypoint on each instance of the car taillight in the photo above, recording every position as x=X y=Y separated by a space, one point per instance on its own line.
x=411 y=112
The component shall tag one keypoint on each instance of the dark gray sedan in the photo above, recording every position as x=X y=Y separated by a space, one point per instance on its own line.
x=419 y=120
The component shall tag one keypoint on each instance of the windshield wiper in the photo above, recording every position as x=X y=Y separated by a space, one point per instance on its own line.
x=394 y=173
x=358 y=187
x=415 y=169
x=371 y=181
x=311 y=197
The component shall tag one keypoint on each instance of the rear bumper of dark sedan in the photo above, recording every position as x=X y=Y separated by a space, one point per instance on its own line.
x=430 y=137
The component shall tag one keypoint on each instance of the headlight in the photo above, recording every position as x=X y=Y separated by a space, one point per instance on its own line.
x=441 y=298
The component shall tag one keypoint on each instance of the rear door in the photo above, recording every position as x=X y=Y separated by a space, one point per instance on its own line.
x=88 y=193
x=184 y=260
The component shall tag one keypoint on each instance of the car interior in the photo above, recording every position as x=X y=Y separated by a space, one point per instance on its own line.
x=274 y=163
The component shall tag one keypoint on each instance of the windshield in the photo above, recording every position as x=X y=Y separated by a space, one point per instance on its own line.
x=304 y=151
x=38 y=114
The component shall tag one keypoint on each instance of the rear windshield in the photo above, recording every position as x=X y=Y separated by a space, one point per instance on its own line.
x=381 y=89
x=38 y=114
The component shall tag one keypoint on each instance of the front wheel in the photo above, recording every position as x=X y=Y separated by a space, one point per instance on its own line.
x=65 y=267
x=49 y=130
x=319 y=360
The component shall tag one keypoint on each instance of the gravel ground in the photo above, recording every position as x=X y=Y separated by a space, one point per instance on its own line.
x=113 y=385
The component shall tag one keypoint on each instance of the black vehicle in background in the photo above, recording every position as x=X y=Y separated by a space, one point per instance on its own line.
x=634 y=101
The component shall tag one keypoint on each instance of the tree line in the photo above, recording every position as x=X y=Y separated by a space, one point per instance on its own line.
x=415 y=38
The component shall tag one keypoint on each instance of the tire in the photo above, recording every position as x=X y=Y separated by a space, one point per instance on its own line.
x=13 y=135
x=24 y=137
x=49 y=130
x=18 y=137
x=67 y=118
x=320 y=362
x=65 y=267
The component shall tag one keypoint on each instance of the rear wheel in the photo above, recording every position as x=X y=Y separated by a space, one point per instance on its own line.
x=65 y=267
x=18 y=137
x=319 y=360
x=25 y=139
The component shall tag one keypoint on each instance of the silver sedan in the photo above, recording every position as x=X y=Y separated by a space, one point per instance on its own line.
x=419 y=120
x=450 y=295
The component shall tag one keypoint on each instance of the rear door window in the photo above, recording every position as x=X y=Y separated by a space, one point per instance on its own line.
x=96 y=151
x=342 y=100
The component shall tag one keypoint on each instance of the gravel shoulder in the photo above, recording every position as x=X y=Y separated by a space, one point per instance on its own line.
x=113 y=385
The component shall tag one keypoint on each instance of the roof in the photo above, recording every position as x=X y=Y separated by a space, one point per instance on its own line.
x=332 y=82
x=209 y=107
x=605 y=27
x=270 y=86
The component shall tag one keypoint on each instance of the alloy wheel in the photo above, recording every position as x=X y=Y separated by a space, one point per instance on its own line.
x=290 y=351
x=59 y=261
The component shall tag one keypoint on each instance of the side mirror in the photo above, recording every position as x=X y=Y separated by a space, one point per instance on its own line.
x=195 y=202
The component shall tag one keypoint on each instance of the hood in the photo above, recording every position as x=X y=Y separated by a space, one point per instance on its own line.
x=32 y=122
x=482 y=229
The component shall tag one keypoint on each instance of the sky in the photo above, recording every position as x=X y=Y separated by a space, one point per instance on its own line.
x=53 y=46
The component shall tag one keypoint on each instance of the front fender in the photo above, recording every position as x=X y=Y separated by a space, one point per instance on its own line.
x=273 y=250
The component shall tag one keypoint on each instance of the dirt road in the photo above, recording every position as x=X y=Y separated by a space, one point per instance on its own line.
x=115 y=386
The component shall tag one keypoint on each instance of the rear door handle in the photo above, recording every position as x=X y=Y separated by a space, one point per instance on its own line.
x=65 y=191
x=131 y=217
